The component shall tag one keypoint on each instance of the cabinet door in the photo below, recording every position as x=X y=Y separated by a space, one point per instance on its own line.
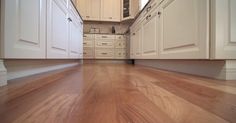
x=57 y=30
x=75 y=35
x=95 y=9
x=184 y=29
x=137 y=38
x=132 y=39
x=84 y=9
x=149 y=42
x=116 y=10
x=24 y=29
x=223 y=29
x=110 y=10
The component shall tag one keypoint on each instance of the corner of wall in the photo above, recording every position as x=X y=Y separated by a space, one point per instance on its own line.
x=3 y=74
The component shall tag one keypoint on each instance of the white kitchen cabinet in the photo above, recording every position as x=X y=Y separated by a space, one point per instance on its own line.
x=111 y=10
x=24 y=24
x=75 y=31
x=83 y=6
x=90 y=9
x=184 y=29
x=150 y=34
x=57 y=30
x=136 y=40
x=223 y=29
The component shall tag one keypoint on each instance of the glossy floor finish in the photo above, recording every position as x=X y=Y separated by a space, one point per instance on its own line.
x=117 y=93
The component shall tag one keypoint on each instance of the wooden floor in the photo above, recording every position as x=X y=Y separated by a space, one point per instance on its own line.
x=111 y=93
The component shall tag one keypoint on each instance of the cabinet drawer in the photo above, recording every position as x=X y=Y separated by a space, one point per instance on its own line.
x=88 y=52
x=88 y=43
x=120 y=37
x=105 y=37
x=104 y=53
x=89 y=36
x=104 y=44
x=120 y=44
x=120 y=53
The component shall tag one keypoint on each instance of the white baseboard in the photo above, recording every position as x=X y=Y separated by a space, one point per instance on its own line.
x=3 y=74
x=224 y=70
x=22 y=68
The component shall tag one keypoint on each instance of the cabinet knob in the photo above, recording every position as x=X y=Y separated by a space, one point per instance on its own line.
x=69 y=19
x=159 y=13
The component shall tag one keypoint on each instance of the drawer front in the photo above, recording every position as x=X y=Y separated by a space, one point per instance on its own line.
x=88 y=53
x=120 y=44
x=104 y=44
x=104 y=53
x=105 y=36
x=88 y=43
x=89 y=36
x=120 y=37
x=120 y=54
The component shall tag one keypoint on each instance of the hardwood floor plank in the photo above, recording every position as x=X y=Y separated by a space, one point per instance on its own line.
x=117 y=93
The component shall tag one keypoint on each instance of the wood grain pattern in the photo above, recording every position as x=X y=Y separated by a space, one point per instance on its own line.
x=117 y=93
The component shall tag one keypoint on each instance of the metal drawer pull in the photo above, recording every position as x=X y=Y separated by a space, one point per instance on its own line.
x=84 y=43
x=148 y=9
x=104 y=43
x=159 y=14
x=148 y=17
x=104 y=36
x=104 y=53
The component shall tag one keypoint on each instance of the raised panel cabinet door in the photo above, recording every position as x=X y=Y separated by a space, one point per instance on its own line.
x=184 y=29
x=95 y=12
x=106 y=10
x=132 y=38
x=137 y=43
x=84 y=8
x=149 y=42
x=57 y=30
x=116 y=10
x=24 y=34
x=75 y=35
x=223 y=29
x=110 y=10
x=81 y=48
